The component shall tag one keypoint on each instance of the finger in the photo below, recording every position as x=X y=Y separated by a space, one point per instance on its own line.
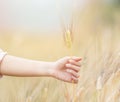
x=74 y=63
x=71 y=79
x=74 y=73
x=76 y=58
x=66 y=77
x=74 y=80
x=73 y=67
x=64 y=60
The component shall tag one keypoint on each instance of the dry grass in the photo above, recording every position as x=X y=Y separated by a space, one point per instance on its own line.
x=98 y=45
x=99 y=81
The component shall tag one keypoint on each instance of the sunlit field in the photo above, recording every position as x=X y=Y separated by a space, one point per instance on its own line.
x=93 y=34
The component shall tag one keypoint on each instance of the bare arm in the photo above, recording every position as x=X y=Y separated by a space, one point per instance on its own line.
x=15 y=66
x=65 y=69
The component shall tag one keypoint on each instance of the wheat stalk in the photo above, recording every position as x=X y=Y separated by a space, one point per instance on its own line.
x=68 y=39
x=29 y=99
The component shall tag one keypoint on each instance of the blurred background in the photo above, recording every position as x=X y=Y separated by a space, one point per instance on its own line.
x=35 y=29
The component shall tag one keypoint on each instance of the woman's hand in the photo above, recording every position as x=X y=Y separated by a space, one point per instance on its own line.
x=66 y=69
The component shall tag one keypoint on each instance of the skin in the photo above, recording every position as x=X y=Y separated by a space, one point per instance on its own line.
x=65 y=69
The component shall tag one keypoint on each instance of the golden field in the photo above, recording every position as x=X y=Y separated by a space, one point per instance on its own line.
x=95 y=38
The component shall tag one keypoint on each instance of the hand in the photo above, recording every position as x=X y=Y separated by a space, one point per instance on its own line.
x=66 y=69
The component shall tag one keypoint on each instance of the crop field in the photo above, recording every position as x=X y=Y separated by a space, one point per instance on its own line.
x=93 y=35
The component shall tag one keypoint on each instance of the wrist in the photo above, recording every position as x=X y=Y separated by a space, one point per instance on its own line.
x=51 y=70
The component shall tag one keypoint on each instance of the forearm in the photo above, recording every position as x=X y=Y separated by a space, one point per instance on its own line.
x=15 y=66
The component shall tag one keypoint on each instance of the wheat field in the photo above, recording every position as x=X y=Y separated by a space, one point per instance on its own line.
x=92 y=37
